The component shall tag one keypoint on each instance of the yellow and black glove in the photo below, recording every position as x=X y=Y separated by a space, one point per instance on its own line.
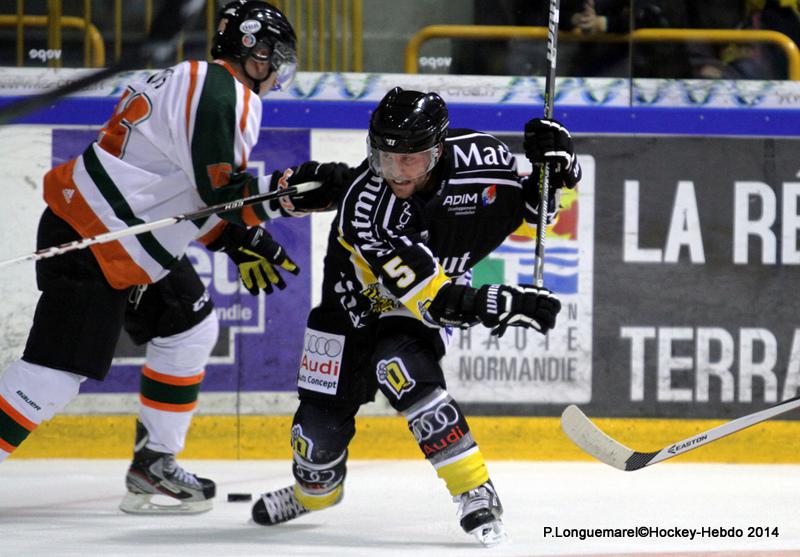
x=257 y=256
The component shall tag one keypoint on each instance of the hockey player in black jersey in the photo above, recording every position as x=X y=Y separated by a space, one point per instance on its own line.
x=427 y=204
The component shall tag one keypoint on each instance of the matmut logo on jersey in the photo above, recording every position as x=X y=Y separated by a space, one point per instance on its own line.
x=524 y=366
x=320 y=362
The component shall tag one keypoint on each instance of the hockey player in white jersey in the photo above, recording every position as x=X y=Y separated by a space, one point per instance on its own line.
x=175 y=144
x=427 y=204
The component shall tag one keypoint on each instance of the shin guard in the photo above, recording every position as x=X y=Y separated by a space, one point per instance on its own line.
x=440 y=428
x=29 y=395
x=319 y=475
x=170 y=383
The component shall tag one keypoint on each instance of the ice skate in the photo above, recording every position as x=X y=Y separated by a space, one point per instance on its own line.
x=278 y=506
x=479 y=511
x=153 y=474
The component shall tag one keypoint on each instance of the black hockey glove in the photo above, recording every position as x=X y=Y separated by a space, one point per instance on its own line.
x=548 y=141
x=335 y=178
x=497 y=306
x=454 y=306
x=501 y=306
x=256 y=255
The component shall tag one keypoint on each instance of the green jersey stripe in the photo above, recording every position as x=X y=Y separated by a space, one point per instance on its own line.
x=123 y=211
x=213 y=141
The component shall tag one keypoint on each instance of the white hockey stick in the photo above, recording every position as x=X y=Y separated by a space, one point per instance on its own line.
x=591 y=439
x=544 y=175
x=161 y=223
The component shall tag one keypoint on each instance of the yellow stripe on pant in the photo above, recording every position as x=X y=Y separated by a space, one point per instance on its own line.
x=500 y=438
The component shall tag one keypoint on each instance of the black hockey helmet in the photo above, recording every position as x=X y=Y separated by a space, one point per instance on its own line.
x=408 y=122
x=245 y=24
x=405 y=134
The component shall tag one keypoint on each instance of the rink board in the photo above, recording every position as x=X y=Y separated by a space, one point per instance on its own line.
x=671 y=310
x=500 y=438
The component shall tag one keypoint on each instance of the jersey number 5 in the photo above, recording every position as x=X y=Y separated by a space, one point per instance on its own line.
x=131 y=111
x=396 y=269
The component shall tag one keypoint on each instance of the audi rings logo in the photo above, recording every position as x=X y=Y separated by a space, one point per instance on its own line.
x=313 y=476
x=323 y=346
x=434 y=421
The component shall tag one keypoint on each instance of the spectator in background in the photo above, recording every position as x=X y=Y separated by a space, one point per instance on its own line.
x=742 y=60
x=511 y=57
x=776 y=15
x=722 y=61
x=595 y=17
x=584 y=58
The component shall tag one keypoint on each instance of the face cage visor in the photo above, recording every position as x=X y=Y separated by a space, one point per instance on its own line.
x=282 y=62
x=402 y=167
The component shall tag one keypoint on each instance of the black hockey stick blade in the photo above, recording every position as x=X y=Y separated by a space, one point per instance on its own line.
x=586 y=435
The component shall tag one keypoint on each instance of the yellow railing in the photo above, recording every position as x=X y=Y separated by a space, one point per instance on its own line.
x=336 y=25
x=94 y=50
x=500 y=32
x=329 y=31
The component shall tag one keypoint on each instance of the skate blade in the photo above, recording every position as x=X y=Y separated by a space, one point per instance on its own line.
x=142 y=503
x=490 y=534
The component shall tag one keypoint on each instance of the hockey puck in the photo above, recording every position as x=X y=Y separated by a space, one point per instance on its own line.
x=235 y=497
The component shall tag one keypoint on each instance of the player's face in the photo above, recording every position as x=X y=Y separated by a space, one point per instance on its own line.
x=407 y=173
x=275 y=70
x=258 y=66
x=406 y=188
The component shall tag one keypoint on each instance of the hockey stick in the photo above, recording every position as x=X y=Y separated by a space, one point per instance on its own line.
x=582 y=431
x=544 y=175
x=157 y=49
x=161 y=223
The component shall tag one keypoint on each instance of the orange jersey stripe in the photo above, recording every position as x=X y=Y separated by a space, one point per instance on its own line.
x=212 y=234
x=167 y=407
x=245 y=110
x=193 y=65
x=6 y=447
x=243 y=125
x=62 y=196
x=6 y=407
x=171 y=379
x=227 y=66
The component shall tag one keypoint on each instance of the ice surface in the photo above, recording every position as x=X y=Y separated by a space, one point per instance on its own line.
x=65 y=508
